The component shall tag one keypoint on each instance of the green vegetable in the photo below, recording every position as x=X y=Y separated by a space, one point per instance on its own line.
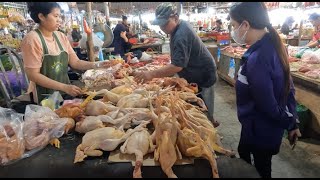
x=6 y=62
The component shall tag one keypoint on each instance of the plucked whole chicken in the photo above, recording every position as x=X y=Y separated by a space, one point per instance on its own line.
x=11 y=142
x=88 y=124
x=91 y=142
x=191 y=144
x=167 y=152
x=42 y=125
x=139 y=144
x=107 y=139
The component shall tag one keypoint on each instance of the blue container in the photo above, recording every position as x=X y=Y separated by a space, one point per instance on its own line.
x=101 y=55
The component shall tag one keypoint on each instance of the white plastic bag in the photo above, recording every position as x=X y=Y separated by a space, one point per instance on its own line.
x=145 y=57
x=12 y=145
x=53 y=101
x=311 y=57
x=96 y=41
x=41 y=125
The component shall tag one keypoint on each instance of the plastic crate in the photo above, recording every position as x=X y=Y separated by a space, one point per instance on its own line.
x=223 y=37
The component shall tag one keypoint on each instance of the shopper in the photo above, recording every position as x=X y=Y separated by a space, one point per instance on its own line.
x=286 y=27
x=121 y=42
x=218 y=27
x=315 y=20
x=190 y=59
x=47 y=52
x=264 y=88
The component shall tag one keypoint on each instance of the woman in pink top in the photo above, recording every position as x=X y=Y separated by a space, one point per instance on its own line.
x=315 y=20
x=47 y=53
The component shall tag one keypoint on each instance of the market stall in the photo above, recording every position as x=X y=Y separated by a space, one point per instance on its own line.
x=118 y=112
x=13 y=24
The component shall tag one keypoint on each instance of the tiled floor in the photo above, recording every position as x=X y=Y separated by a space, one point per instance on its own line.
x=304 y=161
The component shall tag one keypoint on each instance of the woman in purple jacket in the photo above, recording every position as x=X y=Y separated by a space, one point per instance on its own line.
x=264 y=89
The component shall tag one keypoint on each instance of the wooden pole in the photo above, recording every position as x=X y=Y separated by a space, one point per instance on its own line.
x=89 y=36
x=300 y=32
x=106 y=9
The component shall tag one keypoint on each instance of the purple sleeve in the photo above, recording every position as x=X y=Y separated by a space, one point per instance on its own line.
x=261 y=89
x=292 y=104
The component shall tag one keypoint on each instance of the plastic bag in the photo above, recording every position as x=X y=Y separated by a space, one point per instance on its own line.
x=12 y=145
x=293 y=50
x=301 y=52
x=311 y=57
x=96 y=41
x=41 y=125
x=53 y=101
x=145 y=57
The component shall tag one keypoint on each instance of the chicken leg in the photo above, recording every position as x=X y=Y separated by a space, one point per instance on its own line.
x=139 y=143
x=191 y=144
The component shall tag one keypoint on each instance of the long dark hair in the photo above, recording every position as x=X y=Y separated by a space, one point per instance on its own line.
x=257 y=16
x=44 y=8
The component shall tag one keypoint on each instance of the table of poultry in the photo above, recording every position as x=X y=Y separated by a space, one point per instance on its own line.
x=162 y=118
x=57 y=163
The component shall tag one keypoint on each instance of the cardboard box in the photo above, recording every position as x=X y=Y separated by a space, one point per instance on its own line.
x=148 y=160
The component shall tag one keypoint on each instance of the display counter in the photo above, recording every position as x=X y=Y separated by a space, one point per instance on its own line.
x=308 y=94
x=295 y=41
x=228 y=67
x=57 y=163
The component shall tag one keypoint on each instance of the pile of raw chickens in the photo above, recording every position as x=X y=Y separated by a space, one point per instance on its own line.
x=117 y=73
x=305 y=60
x=157 y=117
x=163 y=116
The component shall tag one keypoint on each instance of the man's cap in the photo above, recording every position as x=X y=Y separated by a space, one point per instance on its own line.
x=163 y=12
x=314 y=16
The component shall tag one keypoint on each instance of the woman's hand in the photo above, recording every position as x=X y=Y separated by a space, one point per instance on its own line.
x=129 y=54
x=293 y=136
x=72 y=90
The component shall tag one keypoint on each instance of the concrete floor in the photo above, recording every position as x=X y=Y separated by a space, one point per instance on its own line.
x=302 y=162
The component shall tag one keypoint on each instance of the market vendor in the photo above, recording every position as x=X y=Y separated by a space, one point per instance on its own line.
x=47 y=52
x=315 y=21
x=190 y=58
x=121 y=42
x=266 y=103
x=286 y=27
x=218 y=27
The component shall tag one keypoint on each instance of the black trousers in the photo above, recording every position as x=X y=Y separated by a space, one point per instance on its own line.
x=261 y=158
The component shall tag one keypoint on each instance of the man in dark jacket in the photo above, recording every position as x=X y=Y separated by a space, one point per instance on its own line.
x=190 y=58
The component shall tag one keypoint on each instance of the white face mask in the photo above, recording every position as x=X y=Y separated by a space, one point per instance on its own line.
x=236 y=38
